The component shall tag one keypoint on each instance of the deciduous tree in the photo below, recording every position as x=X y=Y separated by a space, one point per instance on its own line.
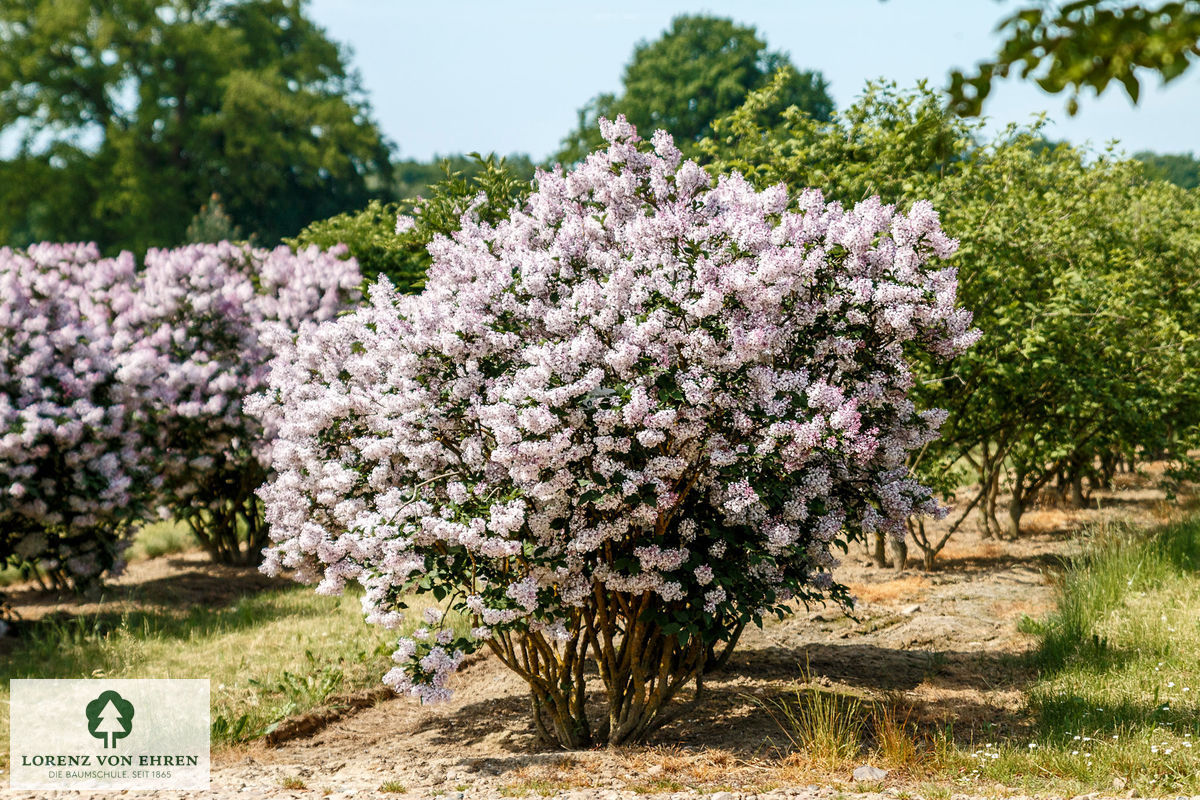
x=128 y=115
x=700 y=69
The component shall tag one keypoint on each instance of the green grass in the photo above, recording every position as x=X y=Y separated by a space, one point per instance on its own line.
x=1118 y=692
x=268 y=655
x=161 y=539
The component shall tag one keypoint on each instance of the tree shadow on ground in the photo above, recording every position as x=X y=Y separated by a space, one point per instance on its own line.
x=208 y=585
x=194 y=597
x=1042 y=562
x=65 y=627
x=738 y=711
x=190 y=584
x=741 y=711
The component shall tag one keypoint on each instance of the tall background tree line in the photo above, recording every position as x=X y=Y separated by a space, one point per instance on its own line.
x=142 y=123
x=120 y=121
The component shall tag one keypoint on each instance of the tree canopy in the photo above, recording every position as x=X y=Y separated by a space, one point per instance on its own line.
x=1181 y=169
x=1086 y=44
x=126 y=116
x=412 y=179
x=700 y=69
x=487 y=186
x=1079 y=268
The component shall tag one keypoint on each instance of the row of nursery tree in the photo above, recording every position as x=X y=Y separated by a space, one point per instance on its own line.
x=1082 y=270
x=122 y=391
x=615 y=415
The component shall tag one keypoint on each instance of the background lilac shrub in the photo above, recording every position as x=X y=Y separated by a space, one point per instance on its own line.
x=639 y=414
x=206 y=318
x=121 y=393
x=76 y=456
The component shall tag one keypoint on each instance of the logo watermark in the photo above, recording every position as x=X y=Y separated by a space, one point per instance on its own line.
x=110 y=717
x=109 y=734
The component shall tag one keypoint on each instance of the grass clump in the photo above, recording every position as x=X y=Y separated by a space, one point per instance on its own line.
x=896 y=742
x=161 y=539
x=824 y=726
x=1118 y=688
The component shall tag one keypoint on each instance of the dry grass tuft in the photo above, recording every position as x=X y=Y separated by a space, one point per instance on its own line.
x=906 y=589
x=895 y=735
x=961 y=549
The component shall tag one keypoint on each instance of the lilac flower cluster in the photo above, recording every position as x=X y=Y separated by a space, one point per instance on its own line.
x=75 y=457
x=207 y=318
x=121 y=390
x=644 y=387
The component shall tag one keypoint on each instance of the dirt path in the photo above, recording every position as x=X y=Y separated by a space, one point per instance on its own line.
x=942 y=642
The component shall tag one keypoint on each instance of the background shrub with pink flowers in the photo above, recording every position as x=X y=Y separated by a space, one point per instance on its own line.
x=121 y=393
x=76 y=450
x=208 y=320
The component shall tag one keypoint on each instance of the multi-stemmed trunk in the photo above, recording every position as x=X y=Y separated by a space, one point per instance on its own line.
x=612 y=638
x=228 y=519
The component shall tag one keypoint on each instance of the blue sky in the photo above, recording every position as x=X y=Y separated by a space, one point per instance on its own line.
x=509 y=75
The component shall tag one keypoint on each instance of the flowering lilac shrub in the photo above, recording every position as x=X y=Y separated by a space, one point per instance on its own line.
x=76 y=460
x=206 y=318
x=615 y=428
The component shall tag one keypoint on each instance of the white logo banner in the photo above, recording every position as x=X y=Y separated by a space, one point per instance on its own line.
x=109 y=734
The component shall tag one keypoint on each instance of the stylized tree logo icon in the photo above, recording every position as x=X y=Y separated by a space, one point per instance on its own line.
x=110 y=717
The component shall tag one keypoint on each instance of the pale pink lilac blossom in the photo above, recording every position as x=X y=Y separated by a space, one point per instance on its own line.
x=643 y=381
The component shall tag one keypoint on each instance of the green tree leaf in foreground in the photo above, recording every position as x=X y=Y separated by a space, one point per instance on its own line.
x=1085 y=44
